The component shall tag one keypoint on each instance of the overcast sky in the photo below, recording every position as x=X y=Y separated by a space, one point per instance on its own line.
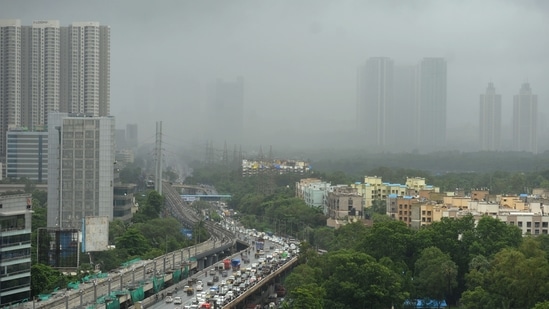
x=299 y=58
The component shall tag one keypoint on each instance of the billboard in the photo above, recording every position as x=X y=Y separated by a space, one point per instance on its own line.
x=95 y=234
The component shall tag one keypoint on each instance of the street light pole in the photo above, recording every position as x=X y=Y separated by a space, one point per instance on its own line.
x=94 y=290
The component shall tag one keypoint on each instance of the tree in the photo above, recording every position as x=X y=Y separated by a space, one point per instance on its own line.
x=357 y=280
x=45 y=278
x=387 y=239
x=491 y=235
x=309 y=296
x=133 y=241
x=435 y=274
x=516 y=278
x=302 y=275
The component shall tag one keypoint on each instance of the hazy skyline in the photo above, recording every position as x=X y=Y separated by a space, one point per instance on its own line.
x=299 y=58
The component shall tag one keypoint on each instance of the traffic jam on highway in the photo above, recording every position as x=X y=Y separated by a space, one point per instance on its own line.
x=223 y=282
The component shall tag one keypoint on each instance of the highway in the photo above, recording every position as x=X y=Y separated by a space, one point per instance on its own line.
x=88 y=293
x=187 y=300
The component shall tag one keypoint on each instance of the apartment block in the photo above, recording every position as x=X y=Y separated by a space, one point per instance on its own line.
x=344 y=202
x=15 y=253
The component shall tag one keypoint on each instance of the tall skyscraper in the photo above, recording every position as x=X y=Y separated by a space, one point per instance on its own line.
x=132 y=141
x=80 y=162
x=46 y=67
x=405 y=122
x=375 y=109
x=525 y=120
x=39 y=73
x=431 y=104
x=85 y=73
x=10 y=79
x=490 y=119
x=226 y=111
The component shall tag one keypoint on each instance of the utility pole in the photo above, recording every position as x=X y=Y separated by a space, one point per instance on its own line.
x=158 y=157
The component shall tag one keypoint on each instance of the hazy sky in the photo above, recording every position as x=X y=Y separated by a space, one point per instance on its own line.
x=299 y=58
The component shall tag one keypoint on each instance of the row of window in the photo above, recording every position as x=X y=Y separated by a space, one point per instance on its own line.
x=529 y=224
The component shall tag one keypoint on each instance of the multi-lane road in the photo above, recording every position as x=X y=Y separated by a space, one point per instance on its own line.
x=187 y=300
x=88 y=293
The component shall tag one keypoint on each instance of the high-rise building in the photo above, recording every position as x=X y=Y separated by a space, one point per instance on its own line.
x=404 y=98
x=80 y=162
x=27 y=155
x=15 y=261
x=490 y=119
x=431 y=104
x=39 y=73
x=131 y=136
x=85 y=69
x=375 y=110
x=10 y=79
x=226 y=111
x=45 y=67
x=525 y=120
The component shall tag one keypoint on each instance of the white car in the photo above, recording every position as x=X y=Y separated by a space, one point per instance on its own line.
x=169 y=299
x=177 y=300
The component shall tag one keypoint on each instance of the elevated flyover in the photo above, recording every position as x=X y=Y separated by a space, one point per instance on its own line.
x=98 y=293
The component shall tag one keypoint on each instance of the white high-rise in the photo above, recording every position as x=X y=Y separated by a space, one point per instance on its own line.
x=45 y=67
x=375 y=109
x=490 y=119
x=85 y=73
x=10 y=78
x=80 y=183
x=525 y=120
x=431 y=104
x=40 y=74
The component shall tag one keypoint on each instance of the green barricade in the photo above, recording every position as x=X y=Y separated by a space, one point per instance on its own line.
x=44 y=296
x=185 y=273
x=114 y=304
x=158 y=284
x=73 y=286
x=131 y=262
x=176 y=276
x=102 y=275
x=137 y=294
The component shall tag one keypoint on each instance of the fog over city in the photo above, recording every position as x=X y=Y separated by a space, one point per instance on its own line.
x=299 y=60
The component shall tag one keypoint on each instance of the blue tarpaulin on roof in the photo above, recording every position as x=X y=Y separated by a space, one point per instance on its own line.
x=425 y=303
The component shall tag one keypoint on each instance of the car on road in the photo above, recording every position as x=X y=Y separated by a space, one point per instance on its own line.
x=169 y=299
x=177 y=300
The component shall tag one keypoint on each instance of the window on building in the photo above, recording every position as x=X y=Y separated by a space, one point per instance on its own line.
x=544 y=224
x=528 y=224
x=519 y=223
x=536 y=224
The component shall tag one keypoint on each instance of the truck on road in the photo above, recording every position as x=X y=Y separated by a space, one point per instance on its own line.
x=227 y=264
x=235 y=263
